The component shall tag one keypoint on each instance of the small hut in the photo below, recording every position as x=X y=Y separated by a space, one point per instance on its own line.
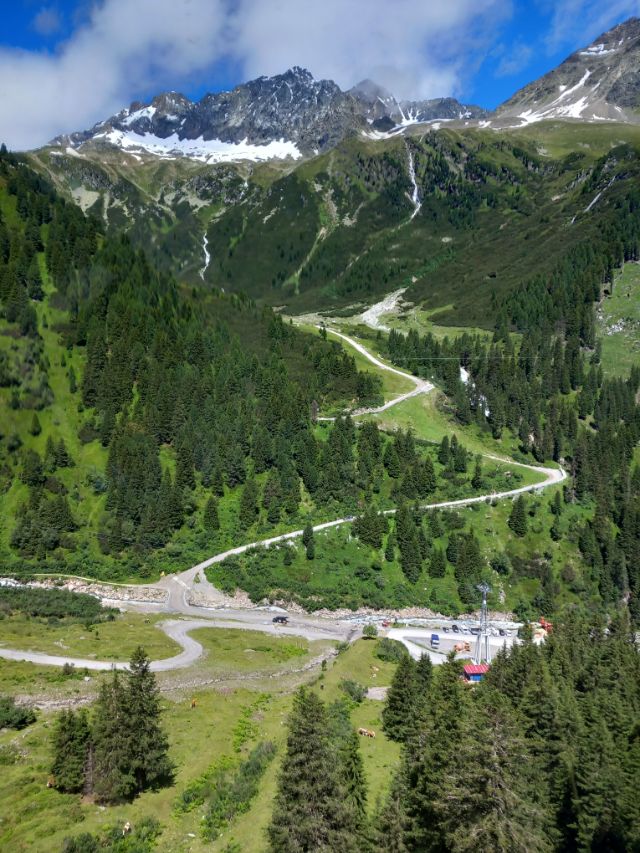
x=475 y=671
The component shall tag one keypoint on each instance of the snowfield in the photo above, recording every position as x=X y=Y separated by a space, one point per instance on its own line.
x=206 y=150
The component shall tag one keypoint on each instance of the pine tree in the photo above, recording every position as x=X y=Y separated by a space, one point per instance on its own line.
x=435 y=524
x=307 y=534
x=437 y=563
x=248 y=504
x=476 y=480
x=35 y=428
x=518 y=517
x=487 y=800
x=392 y=824
x=63 y=459
x=113 y=778
x=443 y=451
x=423 y=676
x=408 y=544
x=71 y=744
x=399 y=709
x=217 y=482
x=354 y=779
x=148 y=751
x=185 y=477
x=210 y=518
x=310 y=810
x=389 y=551
x=460 y=459
x=431 y=760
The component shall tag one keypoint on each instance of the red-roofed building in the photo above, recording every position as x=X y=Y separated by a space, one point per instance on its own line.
x=475 y=671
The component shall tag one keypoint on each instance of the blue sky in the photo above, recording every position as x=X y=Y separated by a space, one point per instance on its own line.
x=65 y=64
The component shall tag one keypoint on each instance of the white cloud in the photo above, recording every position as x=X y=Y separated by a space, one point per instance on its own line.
x=514 y=60
x=47 y=21
x=416 y=48
x=124 y=47
x=424 y=48
x=578 y=22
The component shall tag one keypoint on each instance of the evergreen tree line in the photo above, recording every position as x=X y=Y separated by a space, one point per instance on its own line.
x=540 y=756
x=543 y=755
x=230 y=388
x=71 y=241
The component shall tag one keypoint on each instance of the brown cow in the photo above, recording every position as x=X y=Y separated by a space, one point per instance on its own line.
x=194 y=703
x=366 y=732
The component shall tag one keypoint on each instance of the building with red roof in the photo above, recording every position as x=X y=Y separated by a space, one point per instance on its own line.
x=475 y=671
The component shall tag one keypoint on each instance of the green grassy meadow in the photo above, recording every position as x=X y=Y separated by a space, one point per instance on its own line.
x=114 y=640
x=619 y=323
x=227 y=721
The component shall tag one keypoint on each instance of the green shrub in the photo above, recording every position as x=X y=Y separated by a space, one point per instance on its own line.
x=56 y=603
x=227 y=788
x=354 y=691
x=14 y=716
x=141 y=839
x=8 y=755
x=390 y=650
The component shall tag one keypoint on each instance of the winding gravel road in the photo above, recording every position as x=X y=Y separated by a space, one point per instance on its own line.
x=422 y=386
x=191 y=594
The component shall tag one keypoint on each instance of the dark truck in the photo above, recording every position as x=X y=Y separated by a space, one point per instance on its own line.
x=280 y=620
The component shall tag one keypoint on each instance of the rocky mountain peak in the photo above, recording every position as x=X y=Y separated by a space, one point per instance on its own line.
x=599 y=82
x=287 y=115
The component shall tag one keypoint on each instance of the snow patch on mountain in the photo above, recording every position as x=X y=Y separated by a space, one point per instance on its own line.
x=206 y=150
x=145 y=112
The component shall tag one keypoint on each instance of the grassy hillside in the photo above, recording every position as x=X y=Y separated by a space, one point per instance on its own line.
x=247 y=708
x=338 y=229
x=619 y=322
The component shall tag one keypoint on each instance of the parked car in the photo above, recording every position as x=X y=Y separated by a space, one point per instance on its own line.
x=280 y=620
x=455 y=628
x=502 y=632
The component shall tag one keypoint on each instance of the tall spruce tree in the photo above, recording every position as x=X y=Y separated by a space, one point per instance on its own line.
x=518 y=517
x=400 y=706
x=210 y=517
x=130 y=747
x=71 y=745
x=113 y=779
x=488 y=800
x=430 y=761
x=310 y=810
x=248 y=504
x=148 y=744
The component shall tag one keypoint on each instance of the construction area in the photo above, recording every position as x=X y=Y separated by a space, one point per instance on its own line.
x=476 y=642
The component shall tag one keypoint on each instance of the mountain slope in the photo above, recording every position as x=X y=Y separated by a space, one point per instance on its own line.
x=116 y=387
x=600 y=82
x=458 y=217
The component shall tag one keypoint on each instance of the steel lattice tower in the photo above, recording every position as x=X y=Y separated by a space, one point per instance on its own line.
x=481 y=654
